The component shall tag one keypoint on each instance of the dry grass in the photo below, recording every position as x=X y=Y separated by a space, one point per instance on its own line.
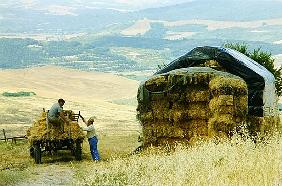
x=17 y=167
x=14 y=162
x=235 y=162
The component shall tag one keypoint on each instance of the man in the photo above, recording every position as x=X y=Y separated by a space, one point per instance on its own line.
x=56 y=114
x=92 y=138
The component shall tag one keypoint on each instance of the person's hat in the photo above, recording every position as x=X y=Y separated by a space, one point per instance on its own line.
x=92 y=118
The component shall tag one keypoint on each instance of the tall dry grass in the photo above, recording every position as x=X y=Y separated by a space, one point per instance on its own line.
x=236 y=162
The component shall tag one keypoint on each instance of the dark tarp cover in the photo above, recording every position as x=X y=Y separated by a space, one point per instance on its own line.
x=261 y=83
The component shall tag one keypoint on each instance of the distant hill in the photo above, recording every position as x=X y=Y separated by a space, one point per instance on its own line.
x=67 y=18
x=52 y=82
x=118 y=41
x=231 y=10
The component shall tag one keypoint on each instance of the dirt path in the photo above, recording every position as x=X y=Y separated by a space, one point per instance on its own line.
x=52 y=174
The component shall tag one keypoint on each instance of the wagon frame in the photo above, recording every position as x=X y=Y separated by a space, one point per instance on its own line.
x=51 y=145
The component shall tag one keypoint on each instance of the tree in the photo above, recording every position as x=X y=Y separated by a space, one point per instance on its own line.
x=263 y=58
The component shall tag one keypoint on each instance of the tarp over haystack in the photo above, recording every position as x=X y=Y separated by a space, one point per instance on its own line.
x=262 y=98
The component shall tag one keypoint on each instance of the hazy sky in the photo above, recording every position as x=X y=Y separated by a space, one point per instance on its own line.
x=116 y=4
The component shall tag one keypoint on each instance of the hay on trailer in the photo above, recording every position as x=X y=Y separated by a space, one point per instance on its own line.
x=39 y=130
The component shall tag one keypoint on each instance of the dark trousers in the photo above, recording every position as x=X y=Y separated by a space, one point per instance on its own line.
x=93 y=148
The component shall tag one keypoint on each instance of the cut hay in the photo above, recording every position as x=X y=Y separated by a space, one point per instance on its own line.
x=229 y=104
x=197 y=96
x=226 y=123
x=39 y=130
x=263 y=126
x=228 y=86
x=190 y=104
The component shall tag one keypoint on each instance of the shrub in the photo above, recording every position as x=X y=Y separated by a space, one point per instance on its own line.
x=18 y=94
x=264 y=58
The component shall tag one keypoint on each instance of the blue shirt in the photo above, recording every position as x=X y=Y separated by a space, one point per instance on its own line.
x=55 y=110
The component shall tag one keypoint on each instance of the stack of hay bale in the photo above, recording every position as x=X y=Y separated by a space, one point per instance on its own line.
x=191 y=103
x=39 y=130
x=229 y=105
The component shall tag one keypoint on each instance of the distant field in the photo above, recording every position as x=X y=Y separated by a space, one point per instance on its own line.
x=267 y=30
x=42 y=37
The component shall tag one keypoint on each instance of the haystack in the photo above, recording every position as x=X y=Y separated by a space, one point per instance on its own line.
x=191 y=103
x=40 y=132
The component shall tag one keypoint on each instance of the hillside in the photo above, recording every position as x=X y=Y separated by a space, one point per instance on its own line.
x=109 y=97
x=73 y=16
x=55 y=82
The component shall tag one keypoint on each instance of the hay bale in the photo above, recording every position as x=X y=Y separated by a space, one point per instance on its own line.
x=155 y=131
x=199 y=110
x=191 y=76
x=145 y=117
x=190 y=104
x=199 y=128
x=156 y=83
x=229 y=104
x=177 y=115
x=171 y=142
x=198 y=95
x=228 y=86
x=226 y=123
x=241 y=105
x=222 y=100
x=263 y=126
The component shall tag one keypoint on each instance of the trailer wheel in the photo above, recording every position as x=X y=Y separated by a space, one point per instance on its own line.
x=78 y=151
x=37 y=153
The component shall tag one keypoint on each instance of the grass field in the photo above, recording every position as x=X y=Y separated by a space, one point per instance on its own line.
x=235 y=162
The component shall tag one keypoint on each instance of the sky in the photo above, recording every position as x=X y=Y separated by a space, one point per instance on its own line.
x=129 y=5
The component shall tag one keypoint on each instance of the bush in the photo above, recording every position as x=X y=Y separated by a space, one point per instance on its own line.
x=18 y=94
x=263 y=58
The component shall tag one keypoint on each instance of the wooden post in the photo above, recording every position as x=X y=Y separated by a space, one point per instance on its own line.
x=4 y=135
x=47 y=124
x=14 y=140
